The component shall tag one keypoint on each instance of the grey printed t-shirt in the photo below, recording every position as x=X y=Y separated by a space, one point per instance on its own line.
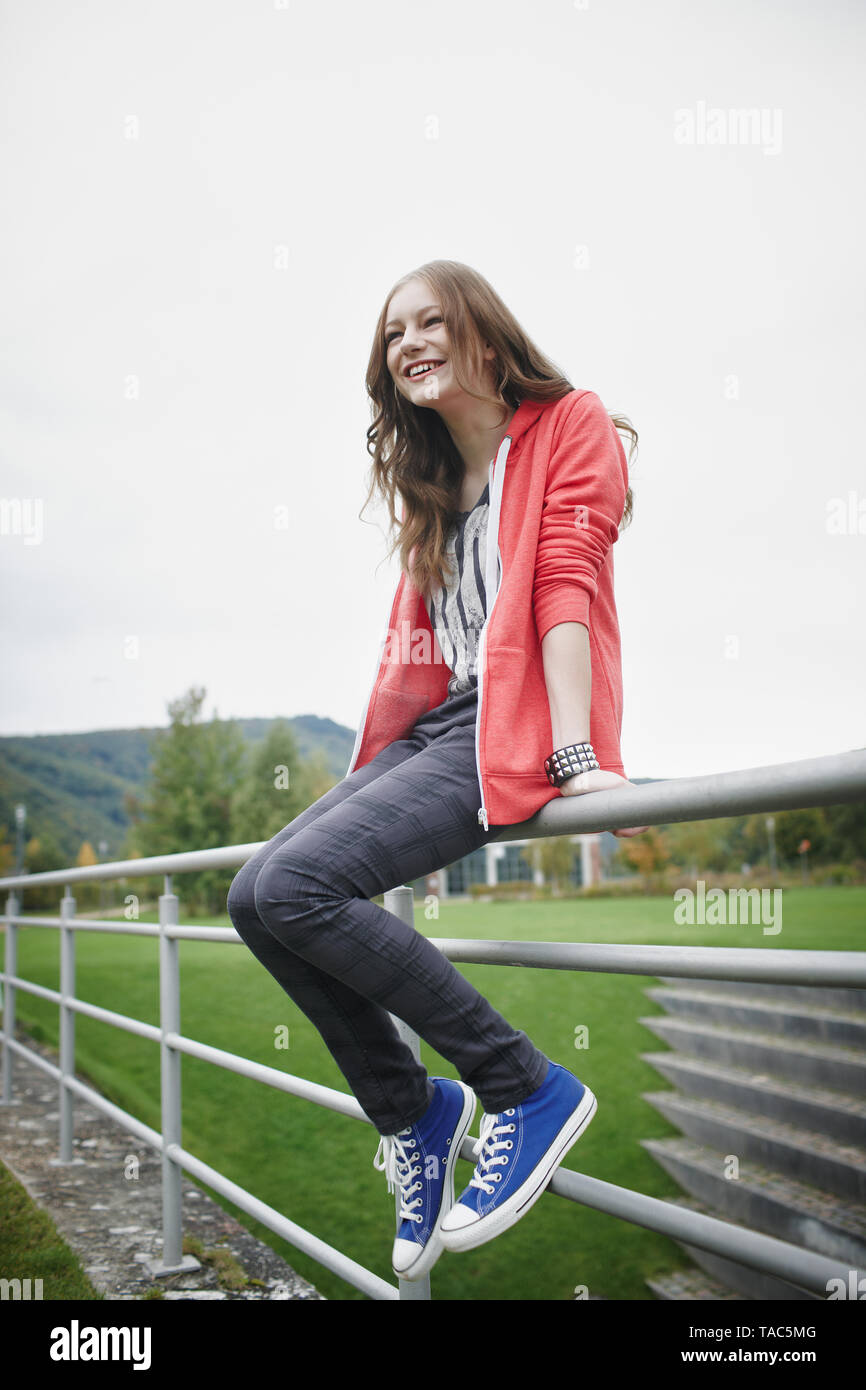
x=458 y=610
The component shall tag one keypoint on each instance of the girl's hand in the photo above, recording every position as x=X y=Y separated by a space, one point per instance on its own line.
x=597 y=782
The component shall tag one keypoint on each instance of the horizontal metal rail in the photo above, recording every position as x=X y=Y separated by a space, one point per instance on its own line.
x=79 y=1006
x=744 y=964
x=769 y=966
x=115 y=928
x=792 y=1263
x=335 y=1260
x=826 y=781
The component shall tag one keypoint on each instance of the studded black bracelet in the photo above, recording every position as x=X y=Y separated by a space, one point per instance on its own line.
x=570 y=762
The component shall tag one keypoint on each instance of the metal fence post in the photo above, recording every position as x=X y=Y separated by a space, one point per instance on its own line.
x=67 y=1026
x=11 y=968
x=401 y=901
x=173 y=1260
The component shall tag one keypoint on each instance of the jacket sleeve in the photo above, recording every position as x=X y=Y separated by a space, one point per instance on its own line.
x=587 y=480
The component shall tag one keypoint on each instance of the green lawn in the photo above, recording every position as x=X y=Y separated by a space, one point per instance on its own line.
x=32 y=1249
x=317 y=1167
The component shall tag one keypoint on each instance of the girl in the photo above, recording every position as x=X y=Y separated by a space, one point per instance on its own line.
x=514 y=486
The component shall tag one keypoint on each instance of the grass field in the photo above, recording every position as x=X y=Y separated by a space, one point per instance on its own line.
x=317 y=1167
x=31 y=1248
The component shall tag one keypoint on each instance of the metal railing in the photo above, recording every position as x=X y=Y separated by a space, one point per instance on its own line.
x=810 y=782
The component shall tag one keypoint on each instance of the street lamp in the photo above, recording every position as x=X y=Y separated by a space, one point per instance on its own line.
x=771 y=828
x=103 y=847
x=20 y=818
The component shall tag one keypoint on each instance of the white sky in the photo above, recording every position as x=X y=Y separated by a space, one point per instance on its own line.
x=156 y=159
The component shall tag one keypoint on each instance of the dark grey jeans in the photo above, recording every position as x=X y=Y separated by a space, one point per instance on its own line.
x=302 y=905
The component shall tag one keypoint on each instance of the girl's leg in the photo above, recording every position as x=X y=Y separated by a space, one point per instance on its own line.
x=360 y=1035
x=347 y=962
x=313 y=894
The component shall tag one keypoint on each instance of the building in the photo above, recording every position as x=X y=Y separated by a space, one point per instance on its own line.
x=502 y=862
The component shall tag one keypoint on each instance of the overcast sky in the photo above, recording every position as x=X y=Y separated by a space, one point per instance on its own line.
x=206 y=204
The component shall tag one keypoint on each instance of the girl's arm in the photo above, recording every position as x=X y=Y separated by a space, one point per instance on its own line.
x=587 y=478
x=568 y=676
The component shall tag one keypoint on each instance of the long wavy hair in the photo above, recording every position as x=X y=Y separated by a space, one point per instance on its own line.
x=412 y=451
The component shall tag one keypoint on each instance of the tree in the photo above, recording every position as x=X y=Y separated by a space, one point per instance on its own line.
x=648 y=853
x=277 y=786
x=196 y=770
x=792 y=827
x=85 y=894
x=7 y=854
x=697 y=846
x=554 y=856
x=42 y=854
x=844 y=832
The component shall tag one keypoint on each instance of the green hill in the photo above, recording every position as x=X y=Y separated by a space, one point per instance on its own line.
x=76 y=786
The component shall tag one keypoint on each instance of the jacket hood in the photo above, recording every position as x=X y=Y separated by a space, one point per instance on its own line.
x=522 y=421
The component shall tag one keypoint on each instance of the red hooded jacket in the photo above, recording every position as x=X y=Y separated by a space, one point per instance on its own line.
x=557 y=493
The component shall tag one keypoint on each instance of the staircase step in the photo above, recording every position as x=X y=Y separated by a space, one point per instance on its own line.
x=850 y=1001
x=762 y=1200
x=812 y=1063
x=832 y=1113
x=813 y=1022
x=730 y=1274
x=802 y=1154
x=691 y=1284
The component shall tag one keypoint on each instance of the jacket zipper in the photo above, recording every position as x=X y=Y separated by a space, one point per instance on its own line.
x=496 y=576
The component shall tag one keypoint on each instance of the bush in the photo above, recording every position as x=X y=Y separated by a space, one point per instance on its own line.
x=665 y=882
x=838 y=873
x=616 y=888
x=520 y=890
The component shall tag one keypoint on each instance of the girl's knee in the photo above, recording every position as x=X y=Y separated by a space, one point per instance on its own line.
x=289 y=883
x=240 y=903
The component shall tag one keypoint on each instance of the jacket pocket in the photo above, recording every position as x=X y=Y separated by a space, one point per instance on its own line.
x=516 y=714
x=395 y=715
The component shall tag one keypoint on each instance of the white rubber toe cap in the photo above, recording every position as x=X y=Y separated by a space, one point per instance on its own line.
x=459 y=1217
x=404 y=1255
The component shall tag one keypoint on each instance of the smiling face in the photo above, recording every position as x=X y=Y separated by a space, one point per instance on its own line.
x=417 y=348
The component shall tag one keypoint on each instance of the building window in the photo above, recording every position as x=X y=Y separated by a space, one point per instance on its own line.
x=512 y=867
x=469 y=870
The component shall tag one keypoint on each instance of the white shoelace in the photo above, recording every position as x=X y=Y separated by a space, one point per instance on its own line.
x=485 y=1148
x=394 y=1159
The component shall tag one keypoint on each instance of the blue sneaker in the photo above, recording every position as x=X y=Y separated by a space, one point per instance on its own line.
x=422 y=1160
x=518 y=1152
